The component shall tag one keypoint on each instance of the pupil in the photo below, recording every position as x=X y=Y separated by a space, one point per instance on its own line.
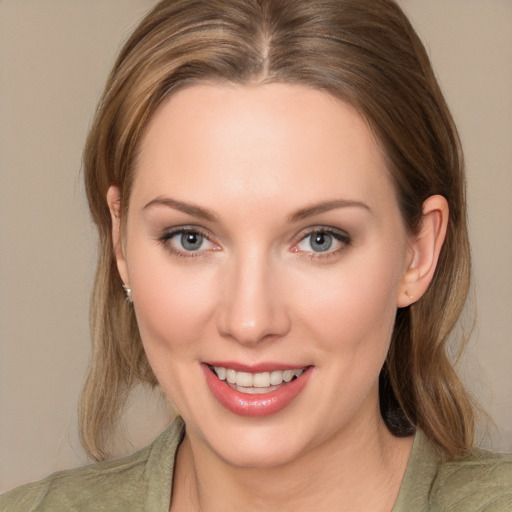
x=191 y=241
x=321 y=242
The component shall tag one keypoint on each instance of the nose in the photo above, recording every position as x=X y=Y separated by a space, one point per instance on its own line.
x=252 y=307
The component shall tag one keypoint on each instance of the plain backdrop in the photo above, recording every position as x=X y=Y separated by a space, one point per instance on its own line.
x=54 y=58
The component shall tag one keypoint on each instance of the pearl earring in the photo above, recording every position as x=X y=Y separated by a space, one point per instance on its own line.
x=128 y=293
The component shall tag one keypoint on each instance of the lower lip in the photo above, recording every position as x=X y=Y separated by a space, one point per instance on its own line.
x=244 y=404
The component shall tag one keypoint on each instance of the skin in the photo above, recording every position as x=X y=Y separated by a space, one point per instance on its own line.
x=258 y=158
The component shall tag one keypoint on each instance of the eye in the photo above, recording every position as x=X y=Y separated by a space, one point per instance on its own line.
x=190 y=240
x=185 y=242
x=318 y=242
x=323 y=241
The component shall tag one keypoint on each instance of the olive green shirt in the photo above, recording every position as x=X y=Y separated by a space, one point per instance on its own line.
x=481 y=482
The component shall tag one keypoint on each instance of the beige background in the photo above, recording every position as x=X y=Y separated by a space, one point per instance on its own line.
x=54 y=56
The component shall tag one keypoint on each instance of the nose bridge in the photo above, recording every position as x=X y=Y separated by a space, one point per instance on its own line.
x=252 y=308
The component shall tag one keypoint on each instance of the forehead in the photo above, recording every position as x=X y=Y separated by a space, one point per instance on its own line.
x=252 y=142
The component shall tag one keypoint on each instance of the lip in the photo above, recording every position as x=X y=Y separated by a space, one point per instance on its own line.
x=255 y=368
x=259 y=405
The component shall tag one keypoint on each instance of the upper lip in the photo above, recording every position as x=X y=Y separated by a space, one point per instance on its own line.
x=267 y=366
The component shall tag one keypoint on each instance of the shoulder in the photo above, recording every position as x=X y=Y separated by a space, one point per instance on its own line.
x=480 y=482
x=74 y=489
x=122 y=484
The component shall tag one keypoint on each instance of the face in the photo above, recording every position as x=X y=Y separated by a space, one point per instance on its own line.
x=264 y=243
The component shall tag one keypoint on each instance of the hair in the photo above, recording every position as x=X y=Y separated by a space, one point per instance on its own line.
x=364 y=52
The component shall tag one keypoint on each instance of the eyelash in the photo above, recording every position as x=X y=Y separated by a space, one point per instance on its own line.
x=168 y=235
x=340 y=236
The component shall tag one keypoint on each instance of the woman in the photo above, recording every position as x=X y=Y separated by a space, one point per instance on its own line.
x=279 y=192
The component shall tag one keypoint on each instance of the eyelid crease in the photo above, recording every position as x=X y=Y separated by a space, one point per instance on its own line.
x=167 y=234
x=336 y=232
x=339 y=235
x=170 y=232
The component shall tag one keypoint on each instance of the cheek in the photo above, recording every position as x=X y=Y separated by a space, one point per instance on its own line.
x=353 y=308
x=172 y=304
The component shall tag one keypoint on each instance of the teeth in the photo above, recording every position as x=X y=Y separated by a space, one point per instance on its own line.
x=256 y=391
x=246 y=380
x=221 y=372
x=230 y=376
x=276 y=378
x=261 y=380
x=288 y=375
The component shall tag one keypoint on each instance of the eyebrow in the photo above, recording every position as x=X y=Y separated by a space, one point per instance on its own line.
x=188 y=208
x=326 y=206
x=303 y=213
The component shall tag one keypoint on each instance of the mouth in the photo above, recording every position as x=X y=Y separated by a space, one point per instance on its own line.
x=255 y=393
x=255 y=383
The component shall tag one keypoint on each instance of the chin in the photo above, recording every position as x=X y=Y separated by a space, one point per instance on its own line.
x=261 y=451
x=256 y=443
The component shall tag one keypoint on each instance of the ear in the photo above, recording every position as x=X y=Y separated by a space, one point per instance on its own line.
x=114 y=205
x=424 y=250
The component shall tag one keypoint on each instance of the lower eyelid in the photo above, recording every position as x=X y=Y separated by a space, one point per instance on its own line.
x=165 y=240
x=342 y=240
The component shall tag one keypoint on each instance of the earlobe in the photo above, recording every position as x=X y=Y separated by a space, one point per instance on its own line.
x=424 y=250
x=114 y=205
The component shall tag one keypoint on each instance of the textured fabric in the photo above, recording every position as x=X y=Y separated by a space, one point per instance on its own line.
x=481 y=482
x=139 y=482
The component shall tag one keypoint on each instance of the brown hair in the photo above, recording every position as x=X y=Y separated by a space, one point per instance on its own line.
x=362 y=51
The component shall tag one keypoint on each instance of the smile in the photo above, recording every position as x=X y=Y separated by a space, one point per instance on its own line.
x=258 y=393
x=256 y=383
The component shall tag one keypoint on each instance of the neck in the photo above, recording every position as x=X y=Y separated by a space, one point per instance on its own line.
x=359 y=469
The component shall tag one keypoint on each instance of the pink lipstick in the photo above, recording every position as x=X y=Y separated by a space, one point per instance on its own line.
x=255 y=391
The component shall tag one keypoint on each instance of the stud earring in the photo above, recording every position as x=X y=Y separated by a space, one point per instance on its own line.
x=408 y=295
x=128 y=293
